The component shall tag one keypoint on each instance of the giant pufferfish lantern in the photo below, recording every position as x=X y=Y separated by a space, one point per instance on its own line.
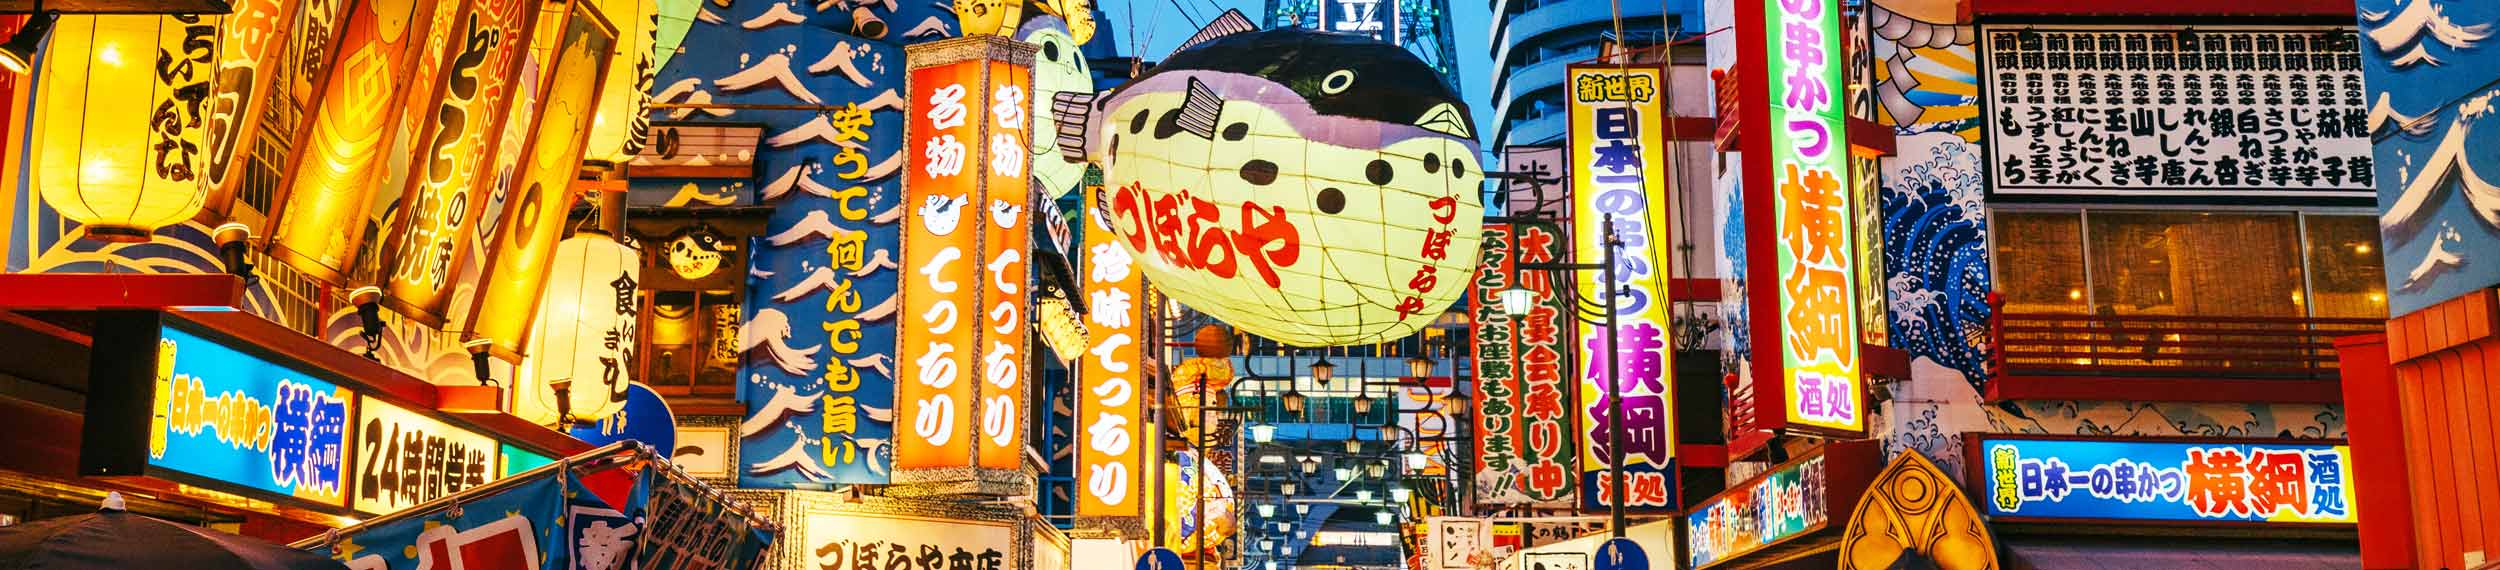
x=1314 y=188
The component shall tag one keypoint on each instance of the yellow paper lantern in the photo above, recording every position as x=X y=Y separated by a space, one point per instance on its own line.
x=581 y=348
x=617 y=130
x=119 y=143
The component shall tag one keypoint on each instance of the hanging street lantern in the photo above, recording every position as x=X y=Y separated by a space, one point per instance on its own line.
x=121 y=126
x=1323 y=370
x=582 y=344
x=1419 y=367
x=618 y=128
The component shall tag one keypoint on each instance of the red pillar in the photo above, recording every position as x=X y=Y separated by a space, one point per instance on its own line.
x=2373 y=426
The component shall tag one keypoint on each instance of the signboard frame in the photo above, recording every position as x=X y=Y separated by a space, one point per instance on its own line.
x=1999 y=142
x=1593 y=194
x=116 y=431
x=1848 y=467
x=1768 y=196
x=1975 y=480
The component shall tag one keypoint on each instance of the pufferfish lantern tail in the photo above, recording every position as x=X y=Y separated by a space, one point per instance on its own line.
x=1073 y=113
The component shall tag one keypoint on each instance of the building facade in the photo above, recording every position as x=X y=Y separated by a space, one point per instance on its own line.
x=1532 y=41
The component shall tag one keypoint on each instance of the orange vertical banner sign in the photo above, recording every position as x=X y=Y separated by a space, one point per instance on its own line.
x=962 y=343
x=340 y=148
x=1005 y=239
x=941 y=276
x=1111 y=396
x=534 y=219
x=444 y=182
x=254 y=40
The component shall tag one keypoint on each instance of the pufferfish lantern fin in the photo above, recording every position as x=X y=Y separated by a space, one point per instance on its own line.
x=1071 y=110
x=1232 y=22
x=1201 y=108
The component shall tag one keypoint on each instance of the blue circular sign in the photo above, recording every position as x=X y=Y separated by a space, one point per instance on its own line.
x=1620 y=554
x=1159 y=559
x=645 y=418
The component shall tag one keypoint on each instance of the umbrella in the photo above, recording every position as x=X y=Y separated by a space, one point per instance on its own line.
x=114 y=539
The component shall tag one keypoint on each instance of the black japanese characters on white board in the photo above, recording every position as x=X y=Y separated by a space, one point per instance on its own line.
x=2226 y=112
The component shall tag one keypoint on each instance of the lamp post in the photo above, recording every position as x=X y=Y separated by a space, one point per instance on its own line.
x=1516 y=303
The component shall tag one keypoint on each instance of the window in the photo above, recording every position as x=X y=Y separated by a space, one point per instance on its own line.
x=2189 y=263
x=2039 y=262
x=2195 y=263
x=2347 y=273
x=690 y=343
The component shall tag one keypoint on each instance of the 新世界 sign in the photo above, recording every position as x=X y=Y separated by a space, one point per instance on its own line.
x=2153 y=480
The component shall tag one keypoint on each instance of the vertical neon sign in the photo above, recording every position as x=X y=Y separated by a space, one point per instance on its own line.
x=1617 y=113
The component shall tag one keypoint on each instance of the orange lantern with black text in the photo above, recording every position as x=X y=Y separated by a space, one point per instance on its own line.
x=120 y=131
x=581 y=346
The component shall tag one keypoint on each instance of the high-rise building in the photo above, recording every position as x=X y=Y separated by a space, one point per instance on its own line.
x=1533 y=40
x=1421 y=26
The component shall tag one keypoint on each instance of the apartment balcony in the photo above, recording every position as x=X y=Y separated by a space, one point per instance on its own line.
x=2045 y=356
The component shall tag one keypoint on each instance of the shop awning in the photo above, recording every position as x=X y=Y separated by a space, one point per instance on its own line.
x=2072 y=553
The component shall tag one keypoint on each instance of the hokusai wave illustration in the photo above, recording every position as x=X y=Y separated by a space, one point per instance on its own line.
x=2431 y=79
x=816 y=332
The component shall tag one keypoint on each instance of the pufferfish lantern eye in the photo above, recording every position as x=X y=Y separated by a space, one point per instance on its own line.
x=1337 y=81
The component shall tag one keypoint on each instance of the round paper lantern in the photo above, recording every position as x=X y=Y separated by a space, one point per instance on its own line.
x=119 y=126
x=618 y=129
x=1317 y=189
x=1222 y=511
x=582 y=343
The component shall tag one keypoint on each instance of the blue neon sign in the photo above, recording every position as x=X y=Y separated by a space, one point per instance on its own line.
x=229 y=416
x=2166 y=481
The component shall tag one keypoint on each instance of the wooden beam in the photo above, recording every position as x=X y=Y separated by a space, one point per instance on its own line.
x=68 y=291
x=2150 y=389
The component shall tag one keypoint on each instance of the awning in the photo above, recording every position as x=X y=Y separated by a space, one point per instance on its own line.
x=2078 y=553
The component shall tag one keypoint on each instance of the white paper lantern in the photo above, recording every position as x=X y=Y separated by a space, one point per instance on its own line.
x=581 y=348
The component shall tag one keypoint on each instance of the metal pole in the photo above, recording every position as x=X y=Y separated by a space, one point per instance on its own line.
x=1614 y=380
x=1198 y=508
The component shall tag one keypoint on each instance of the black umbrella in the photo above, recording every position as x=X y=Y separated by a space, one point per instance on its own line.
x=114 y=539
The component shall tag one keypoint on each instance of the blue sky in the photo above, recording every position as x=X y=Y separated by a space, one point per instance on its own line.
x=1164 y=26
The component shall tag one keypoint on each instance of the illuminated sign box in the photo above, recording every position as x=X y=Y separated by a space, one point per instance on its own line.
x=181 y=404
x=407 y=458
x=2203 y=481
x=1789 y=505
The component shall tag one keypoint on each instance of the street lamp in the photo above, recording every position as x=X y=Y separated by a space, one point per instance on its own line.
x=1310 y=466
x=1419 y=367
x=1267 y=510
x=1517 y=301
x=1399 y=494
x=1293 y=401
x=1302 y=509
x=1289 y=487
x=1378 y=469
x=1354 y=446
x=1382 y=516
x=1363 y=403
x=1263 y=433
x=1323 y=370
x=1415 y=461
x=1345 y=474
x=1364 y=495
